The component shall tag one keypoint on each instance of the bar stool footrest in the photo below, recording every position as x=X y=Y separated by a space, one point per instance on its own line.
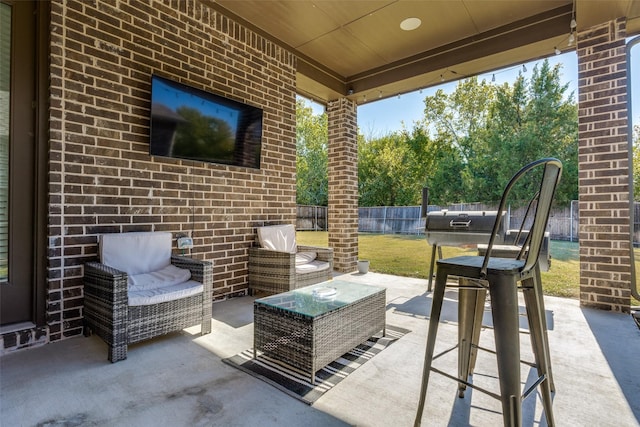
x=526 y=394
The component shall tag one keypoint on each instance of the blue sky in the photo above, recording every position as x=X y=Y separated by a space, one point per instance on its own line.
x=387 y=115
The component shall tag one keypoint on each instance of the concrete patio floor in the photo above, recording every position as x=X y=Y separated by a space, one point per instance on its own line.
x=180 y=380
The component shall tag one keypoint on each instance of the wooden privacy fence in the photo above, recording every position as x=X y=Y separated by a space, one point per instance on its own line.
x=563 y=222
x=391 y=220
x=311 y=218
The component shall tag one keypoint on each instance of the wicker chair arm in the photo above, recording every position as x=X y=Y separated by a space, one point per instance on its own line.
x=285 y=257
x=275 y=272
x=105 y=283
x=201 y=270
x=324 y=254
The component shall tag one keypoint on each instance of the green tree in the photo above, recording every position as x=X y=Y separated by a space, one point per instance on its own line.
x=461 y=116
x=423 y=161
x=485 y=133
x=445 y=179
x=534 y=119
x=458 y=123
x=393 y=169
x=312 y=183
x=381 y=179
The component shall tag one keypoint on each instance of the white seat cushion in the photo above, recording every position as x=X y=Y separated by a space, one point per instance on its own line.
x=165 y=294
x=312 y=266
x=278 y=238
x=135 y=253
x=168 y=276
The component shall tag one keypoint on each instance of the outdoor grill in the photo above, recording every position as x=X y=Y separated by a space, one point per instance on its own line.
x=461 y=228
x=458 y=228
x=473 y=228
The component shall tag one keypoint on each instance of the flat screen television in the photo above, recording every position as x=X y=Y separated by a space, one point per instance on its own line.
x=189 y=123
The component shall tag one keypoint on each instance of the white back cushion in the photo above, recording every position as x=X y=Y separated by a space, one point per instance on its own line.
x=136 y=253
x=278 y=238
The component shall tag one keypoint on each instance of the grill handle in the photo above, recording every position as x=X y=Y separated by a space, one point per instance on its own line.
x=460 y=223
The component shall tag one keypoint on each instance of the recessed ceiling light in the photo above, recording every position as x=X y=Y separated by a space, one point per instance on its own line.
x=410 y=24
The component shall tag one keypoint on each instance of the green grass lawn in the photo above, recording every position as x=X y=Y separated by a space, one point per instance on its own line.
x=409 y=256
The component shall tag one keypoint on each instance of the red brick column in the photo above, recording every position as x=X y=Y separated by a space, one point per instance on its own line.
x=343 y=183
x=604 y=176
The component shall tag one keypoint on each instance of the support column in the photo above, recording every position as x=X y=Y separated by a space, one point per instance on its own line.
x=604 y=175
x=343 y=183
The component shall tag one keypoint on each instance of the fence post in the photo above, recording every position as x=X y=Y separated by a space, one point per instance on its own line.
x=384 y=221
x=571 y=221
x=571 y=214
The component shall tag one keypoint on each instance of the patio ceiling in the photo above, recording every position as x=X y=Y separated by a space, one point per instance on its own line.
x=358 y=50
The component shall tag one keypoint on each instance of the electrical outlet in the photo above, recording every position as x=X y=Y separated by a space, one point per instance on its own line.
x=185 y=243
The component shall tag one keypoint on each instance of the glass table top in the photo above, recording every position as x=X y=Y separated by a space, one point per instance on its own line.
x=321 y=298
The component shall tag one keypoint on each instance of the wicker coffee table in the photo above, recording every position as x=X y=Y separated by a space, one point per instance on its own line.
x=310 y=327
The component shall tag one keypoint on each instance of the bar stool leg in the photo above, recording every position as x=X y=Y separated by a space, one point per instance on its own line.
x=504 y=308
x=432 y=266
x=537 y=327
x=434 y=319
x=470 y=310
x=539 y=315
x=481 y=298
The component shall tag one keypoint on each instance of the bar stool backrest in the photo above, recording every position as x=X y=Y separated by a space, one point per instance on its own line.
x=541 y=203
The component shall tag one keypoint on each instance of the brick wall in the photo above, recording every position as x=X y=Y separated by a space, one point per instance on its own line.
x=343 y=183
x=604 y=168
x=102 y=179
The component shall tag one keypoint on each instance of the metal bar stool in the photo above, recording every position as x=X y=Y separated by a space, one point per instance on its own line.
x=501 y=276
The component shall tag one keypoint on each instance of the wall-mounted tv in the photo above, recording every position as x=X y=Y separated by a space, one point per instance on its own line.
x=189 y=123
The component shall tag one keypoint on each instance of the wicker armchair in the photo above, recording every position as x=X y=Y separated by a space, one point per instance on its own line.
x=109 y=295
x=280 y=265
